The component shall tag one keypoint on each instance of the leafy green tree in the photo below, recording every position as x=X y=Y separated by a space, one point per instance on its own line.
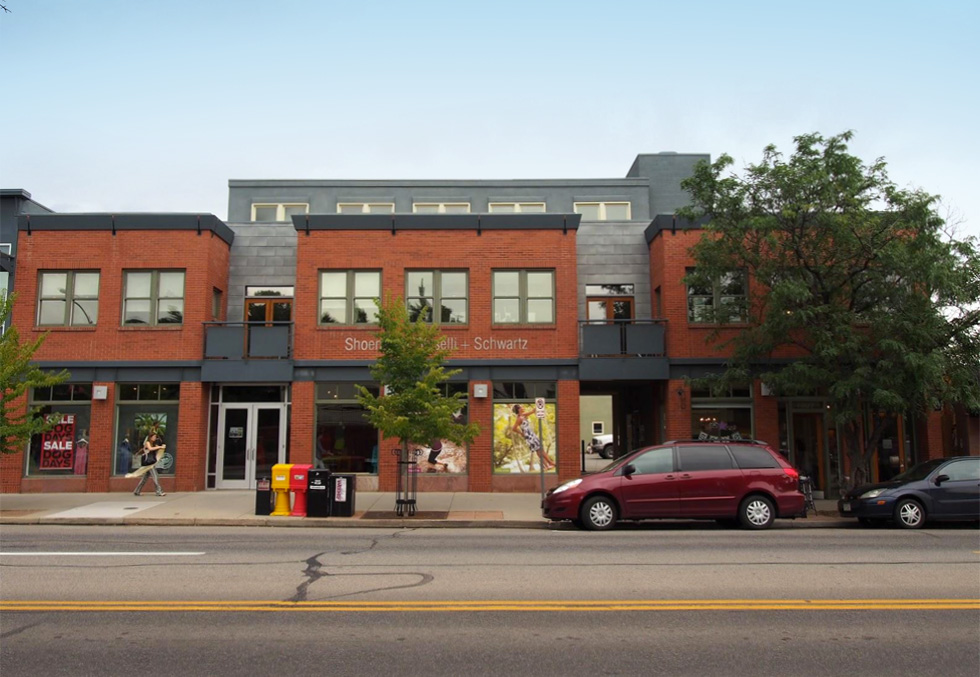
x=858 y=278
x=17 y=374
x=414 y=408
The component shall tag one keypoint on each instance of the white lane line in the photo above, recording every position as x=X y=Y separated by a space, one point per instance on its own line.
x=100 y=554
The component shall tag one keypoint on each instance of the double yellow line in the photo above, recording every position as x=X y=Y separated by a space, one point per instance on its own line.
x=503 y=605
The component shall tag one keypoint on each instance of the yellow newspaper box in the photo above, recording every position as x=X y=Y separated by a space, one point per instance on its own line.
x=280 y=485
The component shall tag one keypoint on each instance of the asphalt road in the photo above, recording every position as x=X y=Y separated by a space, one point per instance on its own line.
x=669 y=599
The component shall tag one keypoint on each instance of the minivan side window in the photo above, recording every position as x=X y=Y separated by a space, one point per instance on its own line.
x=697 y=457
x=654 y=461
x=753 y=457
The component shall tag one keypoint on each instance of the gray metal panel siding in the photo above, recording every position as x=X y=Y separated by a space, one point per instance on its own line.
x=261 y=255
x=623 y=369
x=323 y=196
x=614 y=252
x=665 y=171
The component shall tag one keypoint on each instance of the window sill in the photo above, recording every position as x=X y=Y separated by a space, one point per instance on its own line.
x=60 y=327
x=519 y=325
x=151 y=327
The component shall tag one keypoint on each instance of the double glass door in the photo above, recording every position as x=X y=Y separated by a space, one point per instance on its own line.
x=251 y=439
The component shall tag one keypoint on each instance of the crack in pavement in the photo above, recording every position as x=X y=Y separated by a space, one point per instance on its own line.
x=315 y=571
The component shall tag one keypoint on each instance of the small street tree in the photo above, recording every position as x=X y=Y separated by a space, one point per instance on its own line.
x=17 y=374
x=414 y=408
x=854 y=278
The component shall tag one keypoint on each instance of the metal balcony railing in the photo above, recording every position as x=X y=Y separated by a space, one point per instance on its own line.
x=622 y=338
x=248 y=340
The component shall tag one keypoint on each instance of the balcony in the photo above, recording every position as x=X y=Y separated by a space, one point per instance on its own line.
x=248 y=351
x=623 y=350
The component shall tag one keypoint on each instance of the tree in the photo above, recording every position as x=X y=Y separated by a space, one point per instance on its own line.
x=414 y=409
x=17 y=374
x=853 y=278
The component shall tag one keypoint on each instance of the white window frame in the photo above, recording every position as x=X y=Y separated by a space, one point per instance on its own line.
x=6 y=248
x=366 y=207
x=441 y=205
x=519 y=207
x=280 y=208
x=602 y=208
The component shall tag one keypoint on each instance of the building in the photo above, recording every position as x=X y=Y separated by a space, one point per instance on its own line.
x=242 y=341
x=13 y=203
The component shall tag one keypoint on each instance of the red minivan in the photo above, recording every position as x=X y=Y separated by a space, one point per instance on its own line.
x=737 y=481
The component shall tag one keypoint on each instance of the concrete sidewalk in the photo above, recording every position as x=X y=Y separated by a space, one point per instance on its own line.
x=237 y=508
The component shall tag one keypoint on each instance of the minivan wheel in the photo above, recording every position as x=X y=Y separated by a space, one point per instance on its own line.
x=598 y=514
x=756 y=512
x=909 y=514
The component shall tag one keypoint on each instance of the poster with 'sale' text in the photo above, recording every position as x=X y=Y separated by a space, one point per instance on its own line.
x=58 y=445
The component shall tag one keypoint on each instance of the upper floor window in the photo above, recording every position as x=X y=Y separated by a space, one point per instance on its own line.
x=365 y=208
x=348 y=296
x=518 y=207
x=603 y=211
x=441 y=207
x=609 y=302
x=278 y=212
x=720 y=301
x=153 y=297
x=68 y=298
x=442 y=289
x=524 y=296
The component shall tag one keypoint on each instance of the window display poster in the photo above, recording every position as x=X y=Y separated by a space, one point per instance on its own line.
x=58 y=445
x=517 y=446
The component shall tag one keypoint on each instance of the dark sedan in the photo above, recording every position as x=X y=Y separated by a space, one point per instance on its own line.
x=936 y=490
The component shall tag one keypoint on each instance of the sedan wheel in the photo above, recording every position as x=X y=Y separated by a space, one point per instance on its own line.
x=756 y=512
x=598 y=514
x=909 y=514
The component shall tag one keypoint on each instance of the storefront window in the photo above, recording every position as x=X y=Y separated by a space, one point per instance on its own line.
x=345 y=441
x=728 y=423
x=64 y=449
x=442 y=456
x=523 y=443
x=144 y=408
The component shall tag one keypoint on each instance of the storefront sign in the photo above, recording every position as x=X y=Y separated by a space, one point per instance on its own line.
x=515 y=345
x=58 y=445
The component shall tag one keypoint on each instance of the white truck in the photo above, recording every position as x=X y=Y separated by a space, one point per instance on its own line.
x=603 y=445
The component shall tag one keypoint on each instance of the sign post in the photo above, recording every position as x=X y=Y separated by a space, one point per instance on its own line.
x=540 y=412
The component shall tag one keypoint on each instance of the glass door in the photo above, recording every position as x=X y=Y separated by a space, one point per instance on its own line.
x=251 y=439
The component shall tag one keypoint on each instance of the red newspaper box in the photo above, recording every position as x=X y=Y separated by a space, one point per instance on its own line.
x=298 y=480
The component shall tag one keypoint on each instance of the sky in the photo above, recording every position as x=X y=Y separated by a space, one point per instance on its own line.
x=153 y=105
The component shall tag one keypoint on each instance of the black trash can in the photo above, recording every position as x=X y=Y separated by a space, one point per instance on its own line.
x=263 y=496
x=342 y=490
x=318 y=493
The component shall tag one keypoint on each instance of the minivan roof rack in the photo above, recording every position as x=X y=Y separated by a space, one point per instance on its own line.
x=724 y=440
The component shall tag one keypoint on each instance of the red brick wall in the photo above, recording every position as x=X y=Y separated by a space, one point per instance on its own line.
x=408 y=250
x=204 y=258
x=669 y=260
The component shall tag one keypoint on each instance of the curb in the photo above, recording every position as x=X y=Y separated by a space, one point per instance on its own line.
x=350 y=523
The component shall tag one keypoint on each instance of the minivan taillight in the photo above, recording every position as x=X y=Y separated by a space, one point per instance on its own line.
x=792 y=472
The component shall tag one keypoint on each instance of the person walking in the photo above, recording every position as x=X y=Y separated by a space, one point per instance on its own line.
x=152 y=450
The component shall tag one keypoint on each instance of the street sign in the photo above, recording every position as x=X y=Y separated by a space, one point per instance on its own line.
x=539 y=407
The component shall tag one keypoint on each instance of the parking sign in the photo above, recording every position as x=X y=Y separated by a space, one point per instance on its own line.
x=539 y=407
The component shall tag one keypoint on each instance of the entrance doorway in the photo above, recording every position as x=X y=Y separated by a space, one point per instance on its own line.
x=251 y=439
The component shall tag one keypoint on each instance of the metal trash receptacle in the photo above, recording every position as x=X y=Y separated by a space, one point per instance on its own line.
x=318 y=493
x=342 y=495
x=263 y=496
